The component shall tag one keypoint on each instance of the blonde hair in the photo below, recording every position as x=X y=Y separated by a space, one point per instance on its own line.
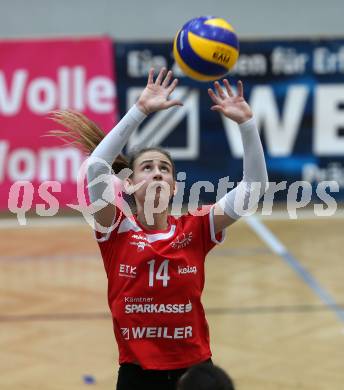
x=83 y=133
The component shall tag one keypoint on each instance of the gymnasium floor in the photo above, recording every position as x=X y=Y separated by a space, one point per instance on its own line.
x=274 y=298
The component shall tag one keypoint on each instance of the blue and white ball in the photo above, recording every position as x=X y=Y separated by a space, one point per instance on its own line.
x=206 y=48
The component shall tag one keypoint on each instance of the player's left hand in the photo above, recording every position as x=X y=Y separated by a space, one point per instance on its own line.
x=232 y=106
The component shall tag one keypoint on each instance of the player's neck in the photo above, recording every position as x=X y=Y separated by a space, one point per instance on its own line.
x=160 y=221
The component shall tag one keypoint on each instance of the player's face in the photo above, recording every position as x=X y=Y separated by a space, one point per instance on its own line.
x=153 y=176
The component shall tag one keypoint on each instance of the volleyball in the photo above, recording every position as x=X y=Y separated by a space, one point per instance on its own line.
x=206 y=48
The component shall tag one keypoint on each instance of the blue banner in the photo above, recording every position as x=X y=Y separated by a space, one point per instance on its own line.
x=296 y=90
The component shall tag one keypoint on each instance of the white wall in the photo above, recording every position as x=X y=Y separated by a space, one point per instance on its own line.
x=159 y=19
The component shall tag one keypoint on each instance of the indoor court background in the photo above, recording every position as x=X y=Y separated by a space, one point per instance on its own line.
x=274 y=292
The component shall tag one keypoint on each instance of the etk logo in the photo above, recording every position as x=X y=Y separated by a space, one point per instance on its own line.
x=127 y=271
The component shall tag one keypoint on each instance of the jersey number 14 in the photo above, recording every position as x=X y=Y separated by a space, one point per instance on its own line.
x=160 y=274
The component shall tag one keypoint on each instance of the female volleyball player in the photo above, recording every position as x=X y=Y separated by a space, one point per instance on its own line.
x=154 y=261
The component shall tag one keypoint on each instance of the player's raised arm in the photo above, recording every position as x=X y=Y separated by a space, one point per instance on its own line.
x=255 y=179
x=155 y=97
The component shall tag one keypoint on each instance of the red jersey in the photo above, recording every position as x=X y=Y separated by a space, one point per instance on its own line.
x=155 y=282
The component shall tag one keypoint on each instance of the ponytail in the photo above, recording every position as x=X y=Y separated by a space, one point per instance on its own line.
x=83 y=133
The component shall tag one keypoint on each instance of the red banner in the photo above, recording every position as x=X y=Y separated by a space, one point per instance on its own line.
x=37 y=77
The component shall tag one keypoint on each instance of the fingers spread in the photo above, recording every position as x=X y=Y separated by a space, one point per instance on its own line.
x=219 y=90
x=167 y=79
x=172 y=86
x=150 y=76
x=160 y=76
x=213 y=97
x=228 y=87
x=240 y=89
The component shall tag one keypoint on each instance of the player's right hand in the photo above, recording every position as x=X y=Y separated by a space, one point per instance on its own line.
x=155 y=96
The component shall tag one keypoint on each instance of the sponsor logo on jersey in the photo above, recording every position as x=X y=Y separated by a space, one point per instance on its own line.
x=182 y=241
x=187 y=270
x=138 y=299
x=169 y=308
x=125 y=333
x=157 y=333
x=127 y=271
x=140 y=245
x=139 y=237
